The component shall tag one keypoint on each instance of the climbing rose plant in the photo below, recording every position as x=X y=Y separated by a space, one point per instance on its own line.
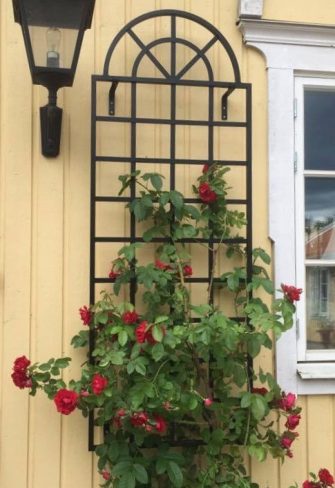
x=172 y=381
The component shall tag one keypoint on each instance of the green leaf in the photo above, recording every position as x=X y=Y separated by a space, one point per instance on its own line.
x=44 y=367
x=254 y=344
x=259 y=407
x=193 y=212
x=141 y=473
x=113 y=451
x=157 y=333
x=201 y=310
x=81 y=339
x=62 y=362
x=127 y=480
x=121 y=468
x=138 y=209
x=116 y=357
x=260 y=253
x=176 y=199
x=157 y=352
x=156 y=181
x=140 y=368
x=161 y=466
x=246 y=399
x=122 y=338
x=175 y=474
x=161 y=318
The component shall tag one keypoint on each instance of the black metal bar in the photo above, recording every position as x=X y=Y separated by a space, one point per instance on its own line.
x=91 y=445
x=111 y=98
x=145 y=120
x=187 y=280
x=196 y=58
x=224 y=103
x=169 y=81
x=146 y=50
x=168 y=40
x=123 y=159
x=133 y=184
x=229 y=201
x=248 y=142
x=232 y=240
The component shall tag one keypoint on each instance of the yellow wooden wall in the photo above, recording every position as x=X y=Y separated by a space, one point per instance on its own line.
x=44 y=246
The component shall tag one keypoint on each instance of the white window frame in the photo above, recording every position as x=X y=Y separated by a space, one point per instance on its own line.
x=290 y=50
x=303 y=83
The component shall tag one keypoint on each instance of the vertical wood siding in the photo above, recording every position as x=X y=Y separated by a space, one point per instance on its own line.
x=44 y=230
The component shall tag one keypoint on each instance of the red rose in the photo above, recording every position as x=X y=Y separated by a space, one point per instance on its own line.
x=289 y=453
x=160 y=265
x=85 y=315
x=206 y=194
x=118 y=417
x=291 y=293
x=187 y=270
x=326 y=477
x=260 y=391
x=138 y=419
x=21 y=379
x=205 y=168
x=161 y=424
x=208 y=402
x=21 y=363
x=105 y=474
x=99 y=383
x=309 y=484
x=130 y=317
x=66 y=401
x=287 y=402
x=140 y=332
x=286 y=442
x=113 y=275
x=292 y=421
x=121 y=412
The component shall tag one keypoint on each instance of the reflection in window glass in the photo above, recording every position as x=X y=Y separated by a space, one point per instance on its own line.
x=319 y=129
x=320 y=218
x=320 y=294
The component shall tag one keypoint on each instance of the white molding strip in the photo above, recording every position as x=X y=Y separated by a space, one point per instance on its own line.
x=278 y=32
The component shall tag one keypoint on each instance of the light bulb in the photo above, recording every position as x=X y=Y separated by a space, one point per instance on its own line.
x=53 y=36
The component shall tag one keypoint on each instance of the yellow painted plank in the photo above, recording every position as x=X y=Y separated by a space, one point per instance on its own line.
x=320 y=431
x=15 y=173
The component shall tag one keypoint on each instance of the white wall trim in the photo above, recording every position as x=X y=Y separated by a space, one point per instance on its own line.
x=250 y=8
x=289 y=48
x=278 y=32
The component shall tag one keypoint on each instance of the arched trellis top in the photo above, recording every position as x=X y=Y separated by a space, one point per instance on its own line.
x=200 y=53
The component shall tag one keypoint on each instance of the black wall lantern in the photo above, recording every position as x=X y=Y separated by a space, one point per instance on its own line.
x=53 y=31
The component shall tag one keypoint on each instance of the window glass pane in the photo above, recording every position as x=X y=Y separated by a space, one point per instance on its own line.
x=320 y=299
x=320 y=218
x=319 y=129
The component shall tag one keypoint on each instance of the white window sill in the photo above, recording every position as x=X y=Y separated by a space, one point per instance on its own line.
x=316 y=371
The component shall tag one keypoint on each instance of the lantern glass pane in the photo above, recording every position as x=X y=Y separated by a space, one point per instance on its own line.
x=53 y=28
x=53 y=47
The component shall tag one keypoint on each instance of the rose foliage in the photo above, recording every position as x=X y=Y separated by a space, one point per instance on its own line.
x=324 y=479
x=168 y=371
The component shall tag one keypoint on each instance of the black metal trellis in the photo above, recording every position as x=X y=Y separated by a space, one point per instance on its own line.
x=173 y=79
